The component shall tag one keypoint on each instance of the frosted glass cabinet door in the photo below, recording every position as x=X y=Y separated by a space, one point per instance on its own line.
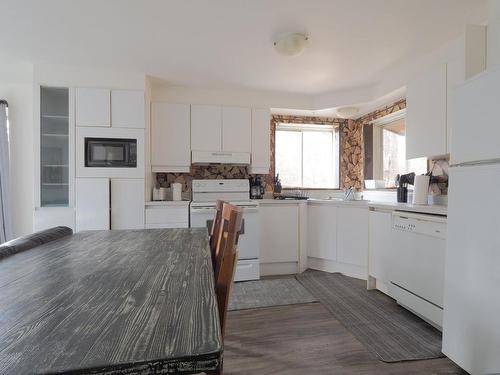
x=54 y=147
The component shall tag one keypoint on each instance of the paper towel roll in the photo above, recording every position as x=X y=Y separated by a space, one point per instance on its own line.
x=176 y=191
x=421 y=190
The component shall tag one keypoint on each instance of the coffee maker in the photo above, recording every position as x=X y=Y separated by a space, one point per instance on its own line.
x=256 y=188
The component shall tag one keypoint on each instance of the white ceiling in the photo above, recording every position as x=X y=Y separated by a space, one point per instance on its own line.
x=228 y=43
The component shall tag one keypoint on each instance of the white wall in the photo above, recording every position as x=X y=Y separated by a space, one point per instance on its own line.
x=74 y=76
x=248 y=98
x=16 y=86
x=493 y=52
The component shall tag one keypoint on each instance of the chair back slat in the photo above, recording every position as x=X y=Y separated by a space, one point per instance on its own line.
x=214 y=231
x=231 y=223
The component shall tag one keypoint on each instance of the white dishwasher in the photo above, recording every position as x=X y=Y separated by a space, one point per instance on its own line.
x=416 y=272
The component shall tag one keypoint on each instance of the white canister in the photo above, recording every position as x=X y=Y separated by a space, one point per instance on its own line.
x=176 y=191
x=421 y=190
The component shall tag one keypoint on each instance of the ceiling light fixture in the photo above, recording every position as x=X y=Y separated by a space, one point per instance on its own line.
x=290 y=44
x=347 y=112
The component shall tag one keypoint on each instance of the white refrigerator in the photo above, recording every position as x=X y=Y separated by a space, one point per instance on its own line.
x=471 y=318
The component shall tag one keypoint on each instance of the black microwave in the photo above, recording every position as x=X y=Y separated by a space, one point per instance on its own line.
x=111 y=152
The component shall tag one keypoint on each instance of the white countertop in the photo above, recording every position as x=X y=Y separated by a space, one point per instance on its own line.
x=340 y=202
x=425 y=209
x=167 y=203
x=429 y=209
x=279 y=201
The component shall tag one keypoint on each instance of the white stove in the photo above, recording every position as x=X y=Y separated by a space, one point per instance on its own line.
x=237 y=192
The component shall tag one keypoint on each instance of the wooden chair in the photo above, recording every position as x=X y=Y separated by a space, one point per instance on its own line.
x=230 y=228
x=214 y=232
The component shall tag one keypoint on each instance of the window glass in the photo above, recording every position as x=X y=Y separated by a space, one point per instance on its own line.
x=307 y=156
x=385 y=154
x=289 y=157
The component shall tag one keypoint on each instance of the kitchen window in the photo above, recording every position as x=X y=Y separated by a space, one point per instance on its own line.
x=307 y=156
x=385 y=152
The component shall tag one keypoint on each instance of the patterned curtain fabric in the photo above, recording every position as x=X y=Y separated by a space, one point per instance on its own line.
x=5 y=218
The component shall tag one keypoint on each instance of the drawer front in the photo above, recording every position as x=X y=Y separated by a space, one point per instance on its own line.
x=247 y=270
x=168 y=225
x=168 y=215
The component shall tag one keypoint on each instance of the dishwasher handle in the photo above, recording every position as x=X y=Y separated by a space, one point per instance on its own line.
x=423 y=217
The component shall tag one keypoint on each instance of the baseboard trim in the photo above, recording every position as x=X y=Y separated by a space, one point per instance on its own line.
x=271 y=269
x=344 y=268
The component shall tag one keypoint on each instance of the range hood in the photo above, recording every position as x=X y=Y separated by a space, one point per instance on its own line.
x=220 y=157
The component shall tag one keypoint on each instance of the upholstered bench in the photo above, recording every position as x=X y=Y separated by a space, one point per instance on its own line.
x=32 y=240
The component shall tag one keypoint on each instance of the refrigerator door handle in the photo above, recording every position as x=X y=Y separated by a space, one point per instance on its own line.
x=476 y=163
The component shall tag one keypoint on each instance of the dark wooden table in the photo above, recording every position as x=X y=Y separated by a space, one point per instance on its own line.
x=111 y=302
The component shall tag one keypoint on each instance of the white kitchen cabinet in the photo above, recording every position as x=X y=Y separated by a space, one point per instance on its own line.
x=127 y=203
x=261 y=138
x=380 y=245
x=127 y=109
x=92 y=204
x=279 y=233
x=352 y=236
x=206 y=128
x=49 y=217
x=171 y=215
x=170 y=137
x=426 y=113
x=474 y=136
x=236 y=129
x=93 y=107
x=321 y=234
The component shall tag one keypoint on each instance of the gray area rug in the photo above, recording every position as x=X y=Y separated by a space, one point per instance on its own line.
x=378 y=322
x=266 y=293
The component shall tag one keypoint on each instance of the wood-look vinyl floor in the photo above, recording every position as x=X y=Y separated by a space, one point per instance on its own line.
x=306 y=340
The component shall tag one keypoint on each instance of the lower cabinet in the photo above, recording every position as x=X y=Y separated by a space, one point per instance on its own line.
x=380 y=245
x=92 y=204
x=279 y=238
x=171 y=215
x=103 y=203
x=49 y=217
x=337 y=238
x=322 y=231
x=352 y=236
x=127 y=203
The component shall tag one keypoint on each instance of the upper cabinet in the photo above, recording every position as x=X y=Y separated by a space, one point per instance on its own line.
x=261 y=138
x=426 y=127
x=430 y=113
x=170 y=137
x=206 y=128
x=221 y=129
x=236 y=129
x=93 y=107
x=127 y=108
x=105 y=108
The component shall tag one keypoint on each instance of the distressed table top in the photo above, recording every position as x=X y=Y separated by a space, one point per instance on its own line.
x=138 y=301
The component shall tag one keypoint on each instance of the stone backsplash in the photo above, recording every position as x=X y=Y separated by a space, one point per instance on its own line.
x=351 y=161
x=439 y=168
x=199 y=172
